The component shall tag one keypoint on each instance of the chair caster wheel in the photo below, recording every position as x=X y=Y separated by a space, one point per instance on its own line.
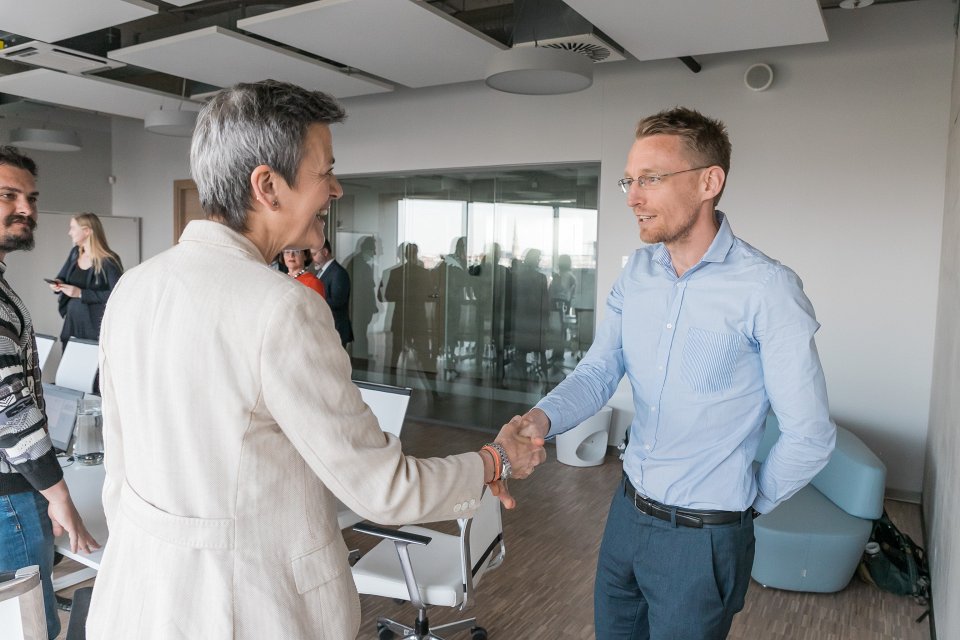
x=478 y=633
x=384 y=632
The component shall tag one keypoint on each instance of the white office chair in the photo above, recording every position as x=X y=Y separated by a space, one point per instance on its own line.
x=585 y=445
x=389 y=405
x=429 y=568
x=78 y=365
x=22 y=615
x=44 y=347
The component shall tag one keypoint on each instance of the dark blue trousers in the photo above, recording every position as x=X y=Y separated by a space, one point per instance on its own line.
x=659 y=581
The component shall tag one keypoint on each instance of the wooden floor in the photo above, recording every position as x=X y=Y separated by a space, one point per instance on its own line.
x=545 y=587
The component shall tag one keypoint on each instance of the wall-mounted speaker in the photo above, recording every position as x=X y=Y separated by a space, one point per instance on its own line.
x=758 y=77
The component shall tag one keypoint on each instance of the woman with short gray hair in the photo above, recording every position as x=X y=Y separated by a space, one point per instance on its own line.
x=222 y=469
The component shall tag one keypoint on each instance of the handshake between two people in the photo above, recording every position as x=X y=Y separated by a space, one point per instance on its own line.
x=522 y=441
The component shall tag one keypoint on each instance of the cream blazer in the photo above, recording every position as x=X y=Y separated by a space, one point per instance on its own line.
x=230 y=423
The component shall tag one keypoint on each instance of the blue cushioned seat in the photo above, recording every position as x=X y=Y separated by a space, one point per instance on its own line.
x=814 y=540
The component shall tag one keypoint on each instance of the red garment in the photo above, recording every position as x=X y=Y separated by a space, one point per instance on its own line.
x=311 y=281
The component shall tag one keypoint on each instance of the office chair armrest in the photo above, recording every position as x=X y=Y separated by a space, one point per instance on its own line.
x=391 y=534
x=401 y=539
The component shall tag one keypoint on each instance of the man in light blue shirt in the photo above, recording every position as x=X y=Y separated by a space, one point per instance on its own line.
x=711 y=334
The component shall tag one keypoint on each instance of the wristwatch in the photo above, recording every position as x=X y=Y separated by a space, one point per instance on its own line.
x=505 y=468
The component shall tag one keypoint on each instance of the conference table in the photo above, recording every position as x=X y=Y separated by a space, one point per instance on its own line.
x=86 y=486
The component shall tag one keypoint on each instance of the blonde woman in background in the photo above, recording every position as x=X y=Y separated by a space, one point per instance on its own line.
x=86 y=279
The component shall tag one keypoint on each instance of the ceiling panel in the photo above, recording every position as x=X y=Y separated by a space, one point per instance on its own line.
x=90 y=93
x=656 y=29
x=52 y=20
x=182 y=3
x=222 y=58
x=404 y=41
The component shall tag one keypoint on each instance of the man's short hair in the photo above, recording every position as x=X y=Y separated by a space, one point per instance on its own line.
x=12 y=156
x=326 y=245
x=705 y=138
x=248 y=125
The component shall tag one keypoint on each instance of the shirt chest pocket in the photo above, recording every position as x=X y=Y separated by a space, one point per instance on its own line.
x=710 y=360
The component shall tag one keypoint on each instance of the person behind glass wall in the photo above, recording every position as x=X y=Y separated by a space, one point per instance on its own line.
x=530 y=313
x=35 y=503
x=297 y=262
x=409 y=286
x=336 y=286
x=363 y=294
x=711 y=334
x=451 y=280
x=493 y=287
x=563 y=286
x=86 y=279
x=231 y=423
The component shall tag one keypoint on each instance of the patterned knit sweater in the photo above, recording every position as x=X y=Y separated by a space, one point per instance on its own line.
x=27 y=458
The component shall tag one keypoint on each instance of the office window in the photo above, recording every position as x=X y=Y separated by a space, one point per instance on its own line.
x=476 y=288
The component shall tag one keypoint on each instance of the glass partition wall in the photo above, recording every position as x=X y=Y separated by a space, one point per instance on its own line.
x=476 y=288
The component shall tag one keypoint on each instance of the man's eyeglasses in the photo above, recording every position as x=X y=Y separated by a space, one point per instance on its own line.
x=651 y=181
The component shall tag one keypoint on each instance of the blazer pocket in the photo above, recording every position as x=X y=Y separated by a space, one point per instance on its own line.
x=318 y=567
x=710 y=360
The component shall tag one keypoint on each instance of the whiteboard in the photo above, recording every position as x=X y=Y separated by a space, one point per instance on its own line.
x=27 y=269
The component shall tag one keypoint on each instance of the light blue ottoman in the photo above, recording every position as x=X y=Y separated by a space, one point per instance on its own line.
x=814 y=540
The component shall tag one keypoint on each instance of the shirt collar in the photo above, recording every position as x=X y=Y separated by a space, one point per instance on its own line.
x=720 y=247
x=716 y=252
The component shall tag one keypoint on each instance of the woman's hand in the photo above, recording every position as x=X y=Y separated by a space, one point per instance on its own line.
x=68 y=290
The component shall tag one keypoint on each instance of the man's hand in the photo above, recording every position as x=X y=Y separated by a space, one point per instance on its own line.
x=64 y=517
x=525 y=451
x=535 y=424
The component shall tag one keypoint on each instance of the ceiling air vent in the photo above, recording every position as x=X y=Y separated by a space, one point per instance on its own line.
x=51 y=56
x=553 y=24
x=589 y=44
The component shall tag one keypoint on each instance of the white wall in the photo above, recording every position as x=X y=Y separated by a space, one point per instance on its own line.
x=942 y=479
x=838 y=170
x=73 y=181
x=146 y=165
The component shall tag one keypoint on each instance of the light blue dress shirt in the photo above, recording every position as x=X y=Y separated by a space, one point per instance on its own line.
x=707 y=355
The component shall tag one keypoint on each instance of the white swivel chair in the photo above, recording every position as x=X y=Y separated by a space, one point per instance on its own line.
x=78 y=365
x=429 y=568
x=585 y=445
x=44 y=347
x=22 y=615
x=389 y=405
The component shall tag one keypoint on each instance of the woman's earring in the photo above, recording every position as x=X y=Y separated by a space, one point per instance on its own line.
x=276 y=203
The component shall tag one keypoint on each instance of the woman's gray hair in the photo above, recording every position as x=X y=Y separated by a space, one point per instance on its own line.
x=248 y=125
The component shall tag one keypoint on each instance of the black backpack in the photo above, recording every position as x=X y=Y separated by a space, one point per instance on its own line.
x=898 y=566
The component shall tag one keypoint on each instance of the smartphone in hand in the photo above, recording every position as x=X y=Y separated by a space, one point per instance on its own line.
x=51 y=281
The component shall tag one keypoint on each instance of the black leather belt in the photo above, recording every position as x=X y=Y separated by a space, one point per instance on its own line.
x=694 y=518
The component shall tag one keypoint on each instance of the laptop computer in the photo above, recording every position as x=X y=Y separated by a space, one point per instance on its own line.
x=62 y=407
x=388 y=404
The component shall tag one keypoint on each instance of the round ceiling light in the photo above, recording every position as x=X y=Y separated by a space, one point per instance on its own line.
x=45 y=139
x=167 y=122
x=539 y=71
x=855 y=4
